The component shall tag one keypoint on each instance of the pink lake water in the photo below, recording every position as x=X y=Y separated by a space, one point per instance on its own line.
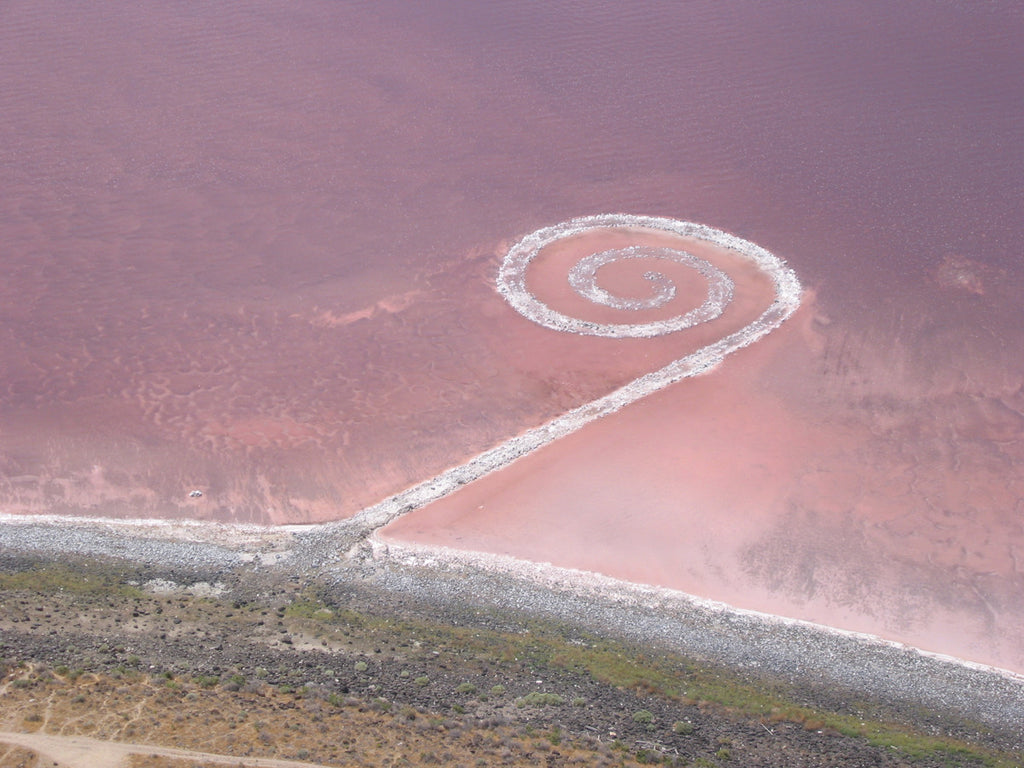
x=251 y=249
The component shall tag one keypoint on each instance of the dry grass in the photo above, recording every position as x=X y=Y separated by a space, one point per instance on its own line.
x=262 y=723
x=18 y=757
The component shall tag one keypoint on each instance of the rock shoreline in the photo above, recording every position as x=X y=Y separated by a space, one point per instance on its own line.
x=828 y=664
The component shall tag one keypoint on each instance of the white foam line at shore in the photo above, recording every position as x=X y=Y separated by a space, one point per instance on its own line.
x=237 y=537
x=149 y=522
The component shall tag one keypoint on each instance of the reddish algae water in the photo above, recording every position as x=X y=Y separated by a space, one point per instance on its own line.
x=251 y=250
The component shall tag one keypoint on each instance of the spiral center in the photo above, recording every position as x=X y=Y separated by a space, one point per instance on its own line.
x=583 y=277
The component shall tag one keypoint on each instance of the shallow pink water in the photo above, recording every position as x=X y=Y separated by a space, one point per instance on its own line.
x=721 y=488
x=250 y=249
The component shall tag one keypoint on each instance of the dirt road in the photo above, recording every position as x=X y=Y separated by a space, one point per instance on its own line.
x=83 y=752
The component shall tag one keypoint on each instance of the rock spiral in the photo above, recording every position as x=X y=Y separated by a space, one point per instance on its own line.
x=583 y=277
x=512 y=285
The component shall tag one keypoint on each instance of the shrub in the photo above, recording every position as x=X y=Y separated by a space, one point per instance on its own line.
x=643 y=716
x=538 y=699
x=682 y=728
x=466 y=688
x=235 y=683
x=422 y=682
x=361 y=666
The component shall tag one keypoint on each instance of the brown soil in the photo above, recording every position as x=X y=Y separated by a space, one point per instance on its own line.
x=95 y=721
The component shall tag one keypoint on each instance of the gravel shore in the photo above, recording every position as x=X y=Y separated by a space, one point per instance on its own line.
x=831 y=666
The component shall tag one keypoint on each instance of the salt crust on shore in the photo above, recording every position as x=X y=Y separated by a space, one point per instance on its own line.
x=684 y=622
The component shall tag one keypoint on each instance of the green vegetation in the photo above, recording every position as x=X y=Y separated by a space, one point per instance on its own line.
x=549 y=650
x=82 y=580
x=548 y=645
x=538 y=699
x=235 y=682
x=309 y=606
